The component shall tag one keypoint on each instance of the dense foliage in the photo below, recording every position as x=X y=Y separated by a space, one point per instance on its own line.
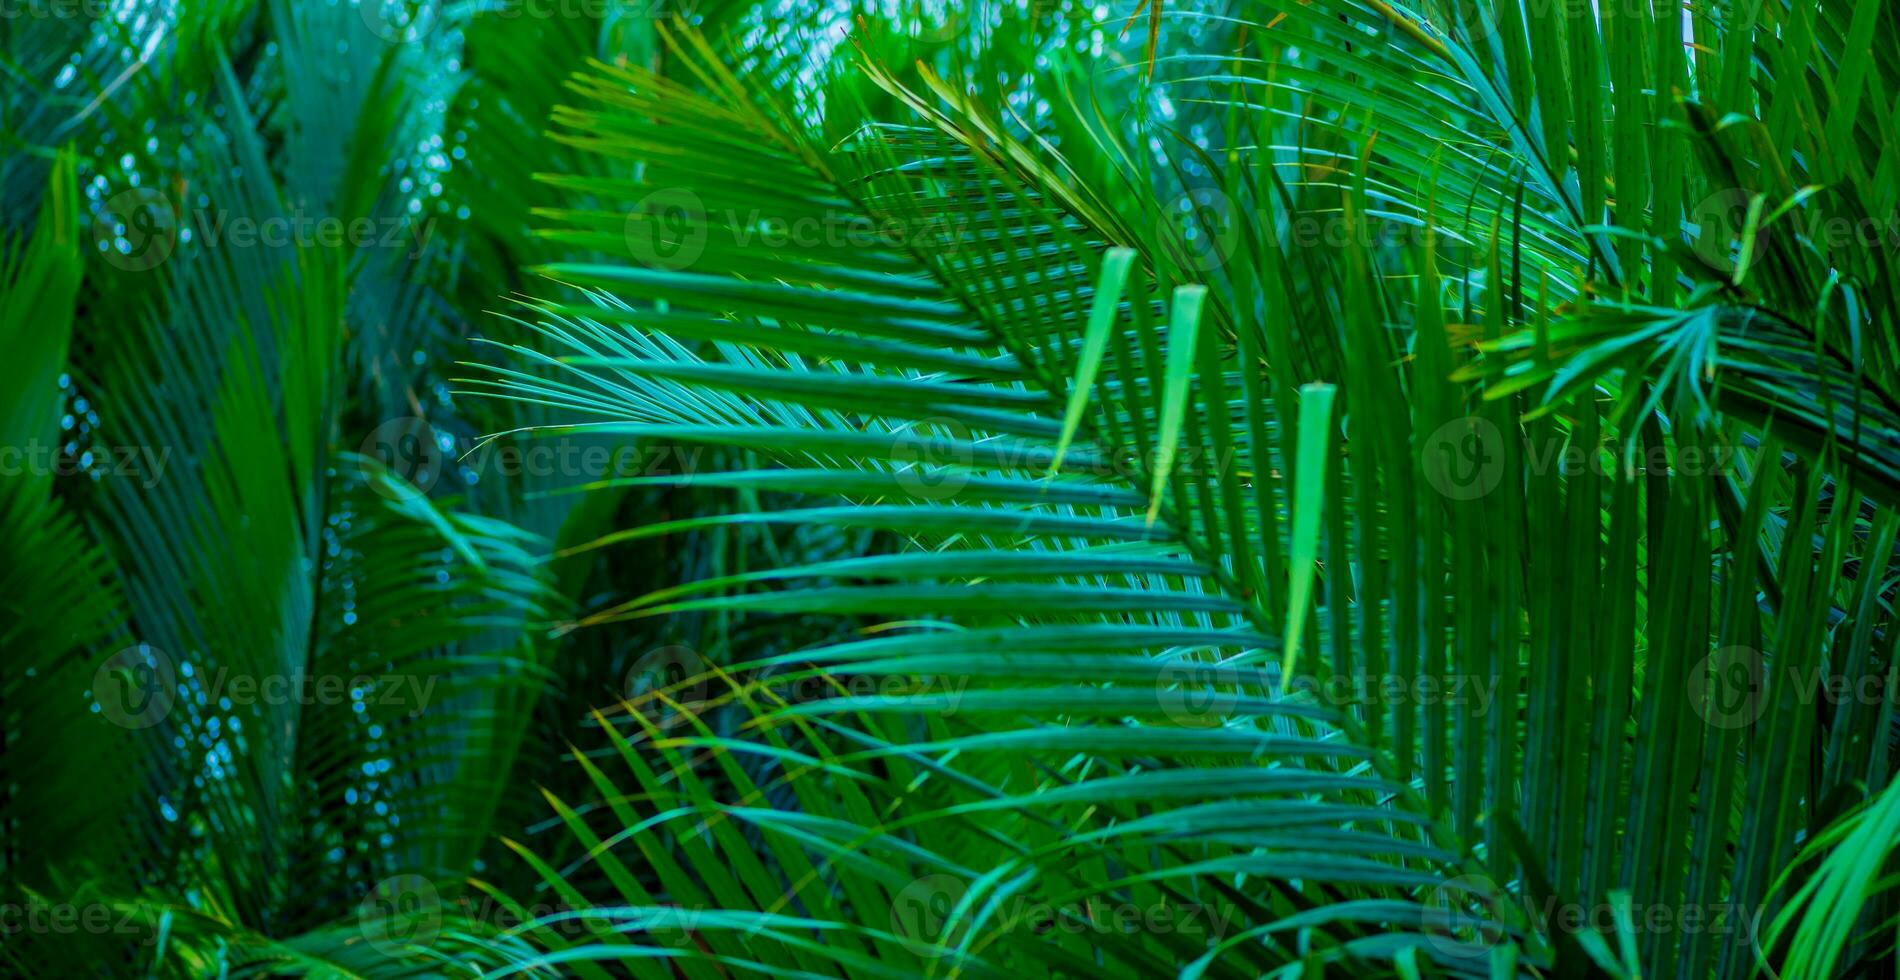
x=665 y=489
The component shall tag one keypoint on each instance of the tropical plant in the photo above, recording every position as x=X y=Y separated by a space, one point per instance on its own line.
x=1257 y=489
